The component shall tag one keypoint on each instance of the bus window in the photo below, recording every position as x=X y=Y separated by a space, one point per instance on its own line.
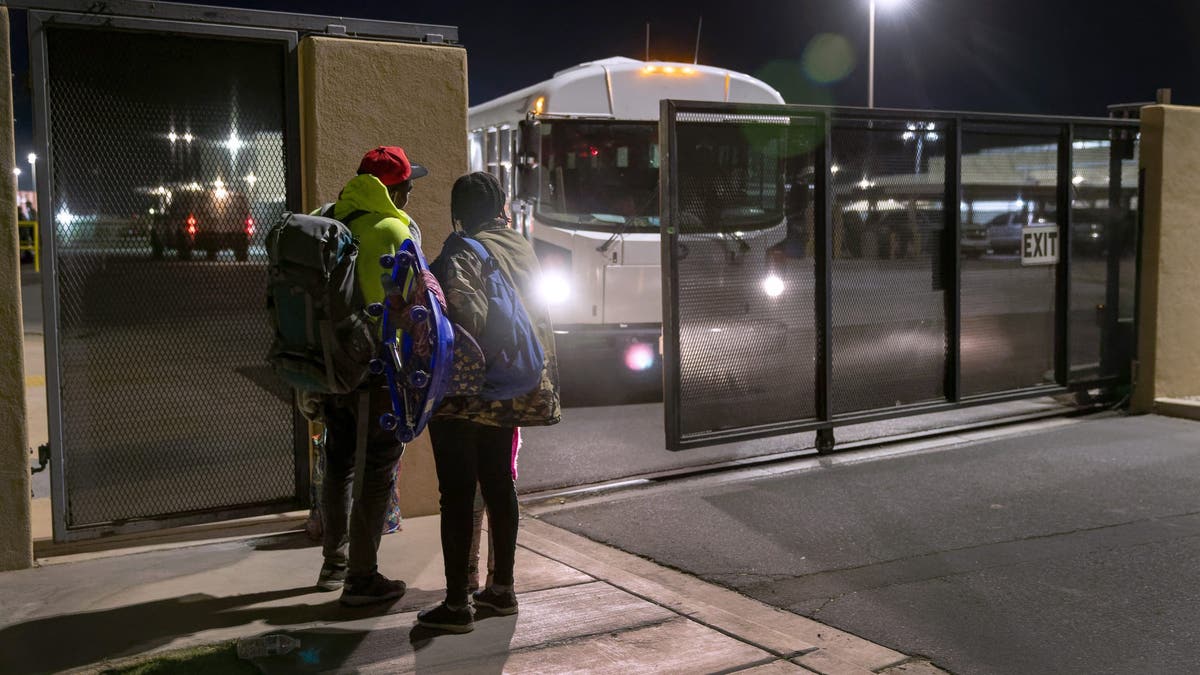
x=599 y=174
x=506 y=160
x=493 y=152
x=475 y=151
x=732 y=175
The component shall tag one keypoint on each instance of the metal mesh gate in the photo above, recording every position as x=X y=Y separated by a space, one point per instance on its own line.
x=168 y=163
x=744 y=304
x=826 y=267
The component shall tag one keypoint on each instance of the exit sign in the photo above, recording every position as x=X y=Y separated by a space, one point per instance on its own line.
x=1039 y=245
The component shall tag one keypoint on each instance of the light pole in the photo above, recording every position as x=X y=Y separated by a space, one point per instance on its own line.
x=871 y=53
x=871 y=61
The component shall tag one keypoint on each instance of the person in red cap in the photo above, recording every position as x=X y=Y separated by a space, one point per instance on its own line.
x=371 y=205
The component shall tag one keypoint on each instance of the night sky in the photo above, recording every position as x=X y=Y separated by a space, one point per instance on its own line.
x=1028 y=56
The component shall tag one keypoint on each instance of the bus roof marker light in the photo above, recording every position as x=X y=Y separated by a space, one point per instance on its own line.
x=669 y=70
x=539 y=106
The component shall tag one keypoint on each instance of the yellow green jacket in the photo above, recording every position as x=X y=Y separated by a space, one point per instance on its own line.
x=381 y=230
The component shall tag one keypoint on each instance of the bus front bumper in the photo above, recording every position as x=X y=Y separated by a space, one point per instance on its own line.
x=609 y=364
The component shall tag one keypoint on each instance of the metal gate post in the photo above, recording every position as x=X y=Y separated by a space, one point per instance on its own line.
x=823 y=254
x=38 y=63
x=1062 y=302
x=952 y=262
x=669 y=207
x=1113 y=235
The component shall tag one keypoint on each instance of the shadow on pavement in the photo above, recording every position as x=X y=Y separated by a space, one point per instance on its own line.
x=398 y=648
x=56 y=643
x=483 y=651
x=285 y=542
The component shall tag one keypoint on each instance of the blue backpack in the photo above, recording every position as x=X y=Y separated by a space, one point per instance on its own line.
x=513 y=356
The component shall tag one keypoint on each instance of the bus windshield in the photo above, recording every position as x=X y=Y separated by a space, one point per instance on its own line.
x=599 y=174
x=603 y=175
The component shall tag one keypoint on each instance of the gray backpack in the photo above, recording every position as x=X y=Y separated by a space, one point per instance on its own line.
x=323 y=339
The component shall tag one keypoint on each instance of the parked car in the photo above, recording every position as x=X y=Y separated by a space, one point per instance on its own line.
x=1004 y=232
x=973 y=239
x=208 y=220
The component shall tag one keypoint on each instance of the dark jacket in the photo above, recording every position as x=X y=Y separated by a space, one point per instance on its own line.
x=463 y=285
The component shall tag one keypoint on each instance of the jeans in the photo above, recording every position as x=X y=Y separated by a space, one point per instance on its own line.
x=467 y=454
x=356 y=528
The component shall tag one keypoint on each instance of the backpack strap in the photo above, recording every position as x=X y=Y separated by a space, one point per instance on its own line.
x=350 y=217
x=478 y=249
x=327 y=212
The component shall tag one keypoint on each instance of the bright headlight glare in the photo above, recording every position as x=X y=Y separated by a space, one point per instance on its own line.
x=554 y=287
x=773 y=286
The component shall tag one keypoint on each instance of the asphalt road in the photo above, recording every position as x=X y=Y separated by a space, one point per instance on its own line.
x=1071 y=550
x=171 y=408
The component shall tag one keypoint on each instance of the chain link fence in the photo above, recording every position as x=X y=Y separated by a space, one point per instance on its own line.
x=168 y=165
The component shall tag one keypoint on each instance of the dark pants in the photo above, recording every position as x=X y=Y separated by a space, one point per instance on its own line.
x=467 y=454
x=358 y=527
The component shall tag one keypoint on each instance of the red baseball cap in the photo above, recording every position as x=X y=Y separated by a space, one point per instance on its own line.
x=390 y=165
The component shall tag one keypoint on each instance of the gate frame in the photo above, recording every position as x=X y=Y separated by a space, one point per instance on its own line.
x=825 y=420
x=39 y=64
x=143 y=16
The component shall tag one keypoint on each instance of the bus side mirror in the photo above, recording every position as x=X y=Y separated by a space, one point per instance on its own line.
x=529 y=159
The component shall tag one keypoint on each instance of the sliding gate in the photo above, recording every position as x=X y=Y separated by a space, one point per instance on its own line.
x=825 y=267
x=170 y=134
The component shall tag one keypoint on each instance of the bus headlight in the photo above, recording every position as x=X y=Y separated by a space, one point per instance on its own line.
x=773 y=286
x=554 y=287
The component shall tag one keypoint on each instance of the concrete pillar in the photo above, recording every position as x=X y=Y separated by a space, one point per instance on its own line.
x=358 y=94
x=16 y=544
x=1169 y=305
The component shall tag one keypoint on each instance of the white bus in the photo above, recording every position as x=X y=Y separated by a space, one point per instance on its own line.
x=579 y=157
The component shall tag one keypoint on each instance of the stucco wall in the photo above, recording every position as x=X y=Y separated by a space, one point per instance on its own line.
x=1168 y=351
x=358 y=94
x=16 y=547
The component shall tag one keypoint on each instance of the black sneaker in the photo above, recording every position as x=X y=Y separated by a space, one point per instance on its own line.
x=444 y=618
x=371 y=589
x=501 y=603
x=332 y=577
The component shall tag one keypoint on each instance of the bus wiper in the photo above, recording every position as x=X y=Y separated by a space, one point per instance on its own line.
x=742 y=245
x=603 y=248
x=621 y=230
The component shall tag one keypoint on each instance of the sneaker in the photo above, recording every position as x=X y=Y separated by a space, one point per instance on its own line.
x=371 y=589
x=501 y=603
x=444 y=618
x=332 y=577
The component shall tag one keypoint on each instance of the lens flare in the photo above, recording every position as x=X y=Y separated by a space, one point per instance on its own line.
x=828 y=58
x=639 y=356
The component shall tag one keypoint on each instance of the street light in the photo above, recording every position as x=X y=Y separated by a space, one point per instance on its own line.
x=871 y=51
x=32 y=159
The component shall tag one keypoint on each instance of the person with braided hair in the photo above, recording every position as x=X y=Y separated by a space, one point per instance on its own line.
x=475 y=438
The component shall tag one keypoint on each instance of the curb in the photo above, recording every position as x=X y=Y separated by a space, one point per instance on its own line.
x=802 y=641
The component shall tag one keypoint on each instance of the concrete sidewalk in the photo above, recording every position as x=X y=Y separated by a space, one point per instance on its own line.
x=585 y=607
